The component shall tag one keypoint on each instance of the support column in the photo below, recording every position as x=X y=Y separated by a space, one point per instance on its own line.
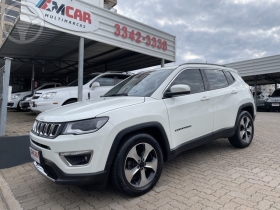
x=81 y=69
x=255 y=97
x=3 y=119
x=1 y=87
x=32 y=79
x=162 y=63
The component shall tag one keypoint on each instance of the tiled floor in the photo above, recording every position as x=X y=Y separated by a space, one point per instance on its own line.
x=213 y=176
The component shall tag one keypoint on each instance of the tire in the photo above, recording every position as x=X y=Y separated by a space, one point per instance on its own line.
x=18 y=108
x=69 y=102
x=244 y=132
x=139 y=156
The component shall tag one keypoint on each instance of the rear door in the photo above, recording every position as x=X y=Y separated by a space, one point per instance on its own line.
x=225 y=98
x=190 y=116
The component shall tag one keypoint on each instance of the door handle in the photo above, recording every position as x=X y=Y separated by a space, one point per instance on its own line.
x=205 y=98
x=234 y=91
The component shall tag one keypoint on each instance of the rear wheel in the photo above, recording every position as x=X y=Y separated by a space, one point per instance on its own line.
x=244 y=132
x=138 y=165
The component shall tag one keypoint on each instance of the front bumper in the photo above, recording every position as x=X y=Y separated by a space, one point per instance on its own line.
x=52 y=172
x=24 y=105
x=272 y=105
x=51 y=149
x=42 y=106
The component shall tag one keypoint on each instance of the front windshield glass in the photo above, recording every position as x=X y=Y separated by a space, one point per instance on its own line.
x=276 y=93
x=142 y=85
x=86 y=79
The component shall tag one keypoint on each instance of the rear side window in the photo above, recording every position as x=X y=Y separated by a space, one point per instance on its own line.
x=108 y=80
x=229 y=76
x=192 y=78
x=276 y=93
x=121 y=78
x=216 y=79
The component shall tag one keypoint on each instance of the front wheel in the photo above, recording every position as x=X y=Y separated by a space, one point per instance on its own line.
x=244 y=131
x=138 y=165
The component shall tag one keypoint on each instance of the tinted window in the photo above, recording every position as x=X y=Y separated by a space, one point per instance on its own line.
x=47 y=87
x=121 y=78
x=216 y=79
x=191 y=78
x=108 y=80
x=230 y=78
x=276 y=93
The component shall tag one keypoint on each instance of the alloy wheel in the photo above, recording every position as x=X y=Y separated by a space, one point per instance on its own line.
x=246 y=129
x=141 y=165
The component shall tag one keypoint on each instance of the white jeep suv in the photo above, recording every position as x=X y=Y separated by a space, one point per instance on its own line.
x=151 y=117
x=94 y=85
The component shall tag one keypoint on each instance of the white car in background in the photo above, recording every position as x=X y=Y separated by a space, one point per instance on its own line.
x=94 y=85
x=16 y=97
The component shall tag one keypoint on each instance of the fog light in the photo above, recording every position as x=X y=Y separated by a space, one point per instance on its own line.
x=74 y=159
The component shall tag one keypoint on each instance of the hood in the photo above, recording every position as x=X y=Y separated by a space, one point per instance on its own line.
x=22 y=93
x=88 y=109
x=57 y=89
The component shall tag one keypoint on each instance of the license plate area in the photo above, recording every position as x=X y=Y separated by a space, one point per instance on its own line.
x=275 y=104
x=35 y=155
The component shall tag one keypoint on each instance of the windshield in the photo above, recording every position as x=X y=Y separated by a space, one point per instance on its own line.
x=86 y=79
x=276 y=93
x=141 y=85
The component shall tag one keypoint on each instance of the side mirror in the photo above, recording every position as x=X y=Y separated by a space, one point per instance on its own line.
x=176 y=90
x=94 y=85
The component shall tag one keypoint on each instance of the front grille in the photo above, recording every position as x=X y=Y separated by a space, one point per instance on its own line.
x=35 y=97
x=48 y=130
x=10 y=104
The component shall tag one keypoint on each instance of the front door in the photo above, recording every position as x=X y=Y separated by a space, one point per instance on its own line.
x=190 y=116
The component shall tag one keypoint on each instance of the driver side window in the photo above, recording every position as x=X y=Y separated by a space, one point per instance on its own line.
x=192 y=78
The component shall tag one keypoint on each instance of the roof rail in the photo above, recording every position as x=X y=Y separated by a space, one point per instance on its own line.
x=212 y=64
x=123 y=72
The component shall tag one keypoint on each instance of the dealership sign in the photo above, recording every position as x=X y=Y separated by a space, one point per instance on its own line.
x=65 y=14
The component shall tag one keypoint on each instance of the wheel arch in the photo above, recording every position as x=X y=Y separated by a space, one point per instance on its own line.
x=154 y=129
x=69 y=99
x=249 y=107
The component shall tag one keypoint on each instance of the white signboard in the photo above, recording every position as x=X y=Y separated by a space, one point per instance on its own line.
x=65 y=14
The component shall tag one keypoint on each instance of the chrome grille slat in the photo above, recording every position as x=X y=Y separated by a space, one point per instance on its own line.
x=48 y=130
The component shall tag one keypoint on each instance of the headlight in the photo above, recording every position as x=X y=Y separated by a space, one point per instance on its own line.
x=15 y=96
x=85 y=126
x=48 y=95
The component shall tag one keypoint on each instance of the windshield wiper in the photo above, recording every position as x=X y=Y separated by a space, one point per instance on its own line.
x=117 y=94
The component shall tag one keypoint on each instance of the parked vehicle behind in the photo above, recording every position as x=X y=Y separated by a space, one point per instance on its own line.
x=261 y=98
x=18 y=96
x=273 y=102
x=94 y=85
x=149 y=118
